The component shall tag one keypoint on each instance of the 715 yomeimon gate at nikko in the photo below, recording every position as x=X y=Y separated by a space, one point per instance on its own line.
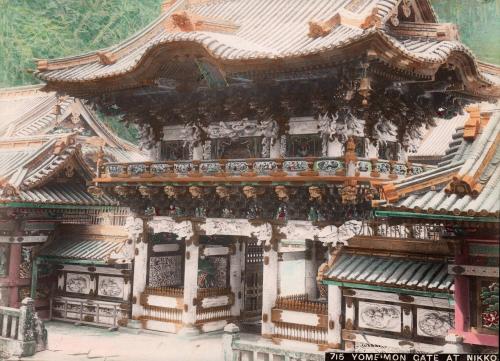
x=311 y=176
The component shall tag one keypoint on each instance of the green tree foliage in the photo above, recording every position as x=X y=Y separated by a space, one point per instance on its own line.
x=31 y=29
x=478 y=23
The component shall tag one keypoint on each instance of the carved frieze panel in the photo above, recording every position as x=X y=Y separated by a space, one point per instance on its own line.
x=183 y=229
x=433 y=323
x=165 y=271
x=78 y=283
x=379 y=316
x=26 y=261
x=110 y=286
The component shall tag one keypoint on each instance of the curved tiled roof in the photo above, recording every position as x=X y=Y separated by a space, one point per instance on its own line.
x=467 y=182
x=265 y=31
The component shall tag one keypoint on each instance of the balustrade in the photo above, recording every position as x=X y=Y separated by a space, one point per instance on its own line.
x=310 y=326
x=9 y=322
x=301 y=303
x=163 y=314
x=213 y=314
x=259 y=167
x=164 y=291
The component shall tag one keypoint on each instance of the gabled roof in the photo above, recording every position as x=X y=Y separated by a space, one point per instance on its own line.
x=45 y=172
x=242 y=36
x=44 y=139
x=29 y=111
x=467 y=182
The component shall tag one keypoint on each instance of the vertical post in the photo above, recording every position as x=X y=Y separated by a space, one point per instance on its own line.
x=461 y=293
x=275 y=149
x=334 y=336
x=269 y=288
x=235 y=278
x=190 y=287
x=310 y=270
x=14 y=263
x=136 y=229
x=34 y=278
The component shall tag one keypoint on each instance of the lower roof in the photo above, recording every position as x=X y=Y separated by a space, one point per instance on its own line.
x=88 y=250
x=391 y=272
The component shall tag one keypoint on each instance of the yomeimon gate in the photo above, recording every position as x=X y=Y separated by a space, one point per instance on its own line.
x=271 y=126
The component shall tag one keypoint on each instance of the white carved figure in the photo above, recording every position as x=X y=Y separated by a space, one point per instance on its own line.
x=384 y=131
x=133 y=226
x=351 y=126
x=327 y=127
x=270 y=131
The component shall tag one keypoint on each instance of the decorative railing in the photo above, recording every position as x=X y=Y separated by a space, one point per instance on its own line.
x=164 y=291
x=287 y=167
x=313 y=316
x=162 y=304
x=163 y=314
x=214 y=304
x=213 y=314
x=237 y=346
x=9 y=322
x=301 y=303
x=22 y=333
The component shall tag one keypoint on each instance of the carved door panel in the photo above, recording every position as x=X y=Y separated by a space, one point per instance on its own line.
x=253 y=282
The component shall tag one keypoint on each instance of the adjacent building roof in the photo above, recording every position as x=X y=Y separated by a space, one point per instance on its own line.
x=89 y=250
x=391 y=271
x=46 y=141
x=435 y=141
x=467 y=182
x=239 y=34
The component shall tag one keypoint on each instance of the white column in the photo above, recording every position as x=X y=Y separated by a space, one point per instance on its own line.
x=140 y=267
x=198 y=152
x=269 y=289
x=235 y=279
x=334 y=336
x=334 y=148
x=243 y=253
x=190 y=288
x=372 y=150
x=311 y=271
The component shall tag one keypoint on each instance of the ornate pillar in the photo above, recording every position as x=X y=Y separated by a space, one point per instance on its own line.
x=311 y=270
x=334 y=336
x=269 y=288
x=190 y=286
x=235 y=280
x=135 y=230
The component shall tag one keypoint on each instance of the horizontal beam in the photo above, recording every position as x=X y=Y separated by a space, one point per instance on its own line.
x=53 y=206
x=389 y=289
x=450 y=217
x=48 y=259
